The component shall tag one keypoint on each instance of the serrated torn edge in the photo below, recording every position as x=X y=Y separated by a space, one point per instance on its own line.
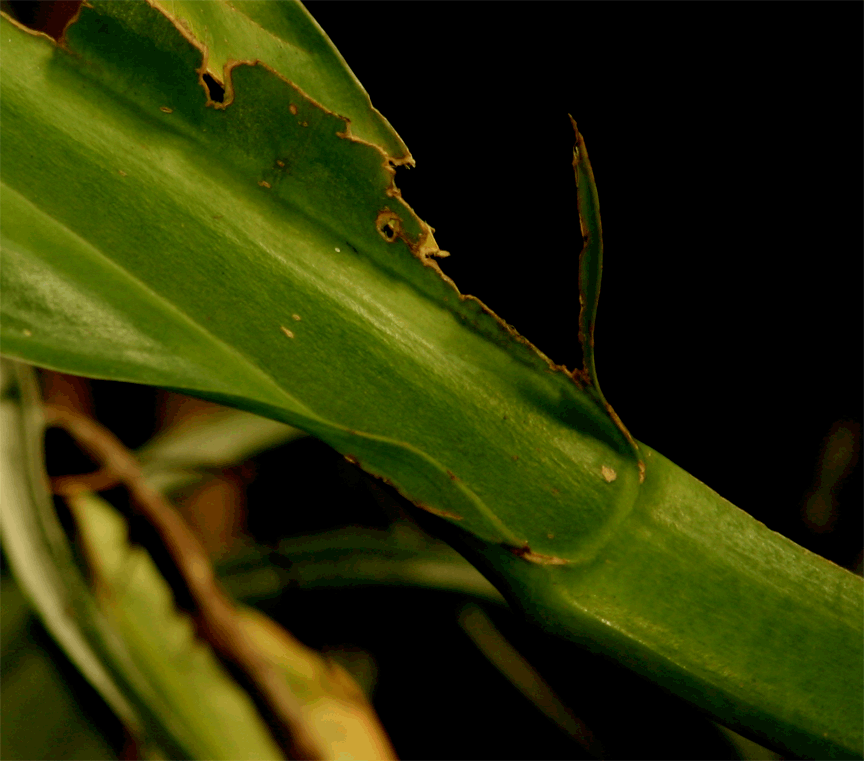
x=406 y=159
x=424 y=246
x=225 y=80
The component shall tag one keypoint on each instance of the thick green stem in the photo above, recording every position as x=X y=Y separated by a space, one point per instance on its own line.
x=760 y=632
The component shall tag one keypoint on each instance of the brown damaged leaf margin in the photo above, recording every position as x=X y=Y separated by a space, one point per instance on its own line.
x=225 y=80
x=535 y=557
x=434 y=510
x=424 y=246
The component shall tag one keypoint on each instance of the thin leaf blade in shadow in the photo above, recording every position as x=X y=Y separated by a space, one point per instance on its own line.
x=183 y=670
x=524 y=677
x=181 y=697
x=45 y=714
x=38 y=553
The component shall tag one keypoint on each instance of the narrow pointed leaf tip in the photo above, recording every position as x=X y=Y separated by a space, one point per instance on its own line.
x=590 y=274
x=591 y=255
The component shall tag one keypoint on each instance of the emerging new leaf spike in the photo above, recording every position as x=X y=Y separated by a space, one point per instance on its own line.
x=590 y=273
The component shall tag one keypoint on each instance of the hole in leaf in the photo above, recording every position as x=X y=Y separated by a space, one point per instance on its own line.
x=388 y=225
x=214 y=89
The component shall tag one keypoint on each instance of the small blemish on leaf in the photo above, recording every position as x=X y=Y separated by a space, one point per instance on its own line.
x=218 y=216
x=293 y=109
x=550 y=536
x=166 y=110
x=304 y=124
x=515 y=457
x=296 y=317
x=264 y=183
x=535 y=557
x=28 y=332
x=338 y=250
x=122 y=173
x=609 y=474
x=556 y=491
x=280 y=163
x=287 y=332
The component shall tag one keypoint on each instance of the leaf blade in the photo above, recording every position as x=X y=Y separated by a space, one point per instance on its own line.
x=372 y=293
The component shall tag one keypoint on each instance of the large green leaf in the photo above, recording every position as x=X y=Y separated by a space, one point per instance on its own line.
x=260 y=255
x=188 y=273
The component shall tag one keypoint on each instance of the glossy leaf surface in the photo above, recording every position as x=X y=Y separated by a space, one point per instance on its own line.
x=290 y=294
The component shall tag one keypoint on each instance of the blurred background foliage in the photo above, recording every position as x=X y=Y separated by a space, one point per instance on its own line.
x=337 y=558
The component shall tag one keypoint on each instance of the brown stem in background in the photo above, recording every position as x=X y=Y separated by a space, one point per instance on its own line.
x=216 y=617
x=70 y=391
x=100 y=480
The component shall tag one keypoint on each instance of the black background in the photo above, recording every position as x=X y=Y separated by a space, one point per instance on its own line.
x=726 y=144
